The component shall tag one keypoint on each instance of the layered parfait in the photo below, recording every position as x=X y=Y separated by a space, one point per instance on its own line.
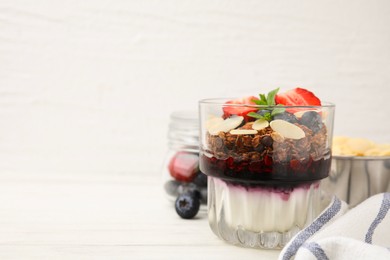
x=265 y=157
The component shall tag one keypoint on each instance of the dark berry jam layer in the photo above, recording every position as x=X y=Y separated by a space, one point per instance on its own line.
x=266 y=171
x=283 y=190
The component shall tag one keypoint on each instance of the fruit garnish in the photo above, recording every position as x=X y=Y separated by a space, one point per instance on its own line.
x=184 y=166
x=287 y=129
x=300 y=113
x=200 y=180
x=240 y=110
x=226 y=125
x=267 y=141
x=260 y=124
x=187 y=205
x=297 y=97
x=312 y=120
x=269 y=109
x=286 y=116
x=243 y=132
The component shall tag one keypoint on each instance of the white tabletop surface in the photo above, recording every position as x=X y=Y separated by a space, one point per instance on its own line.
x=62 y=216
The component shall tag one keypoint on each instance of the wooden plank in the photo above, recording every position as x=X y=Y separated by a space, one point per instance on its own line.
x=102 y=216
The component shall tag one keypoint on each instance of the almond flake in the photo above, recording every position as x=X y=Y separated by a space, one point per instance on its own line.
x=243 y=132
x=226 y=125
x=287 y=129
x=260 y=124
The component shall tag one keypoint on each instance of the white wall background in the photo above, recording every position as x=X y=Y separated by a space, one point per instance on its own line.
x=88 y=86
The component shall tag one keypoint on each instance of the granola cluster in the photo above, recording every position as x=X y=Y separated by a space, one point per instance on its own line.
x=268 y=143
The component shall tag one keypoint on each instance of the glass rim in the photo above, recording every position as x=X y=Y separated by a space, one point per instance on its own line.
x=222 y=102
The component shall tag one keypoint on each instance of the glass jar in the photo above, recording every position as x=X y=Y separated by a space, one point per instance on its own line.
x=181 y=174
x=264 y=175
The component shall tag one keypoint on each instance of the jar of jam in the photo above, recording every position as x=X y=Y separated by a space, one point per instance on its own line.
x=184 y=184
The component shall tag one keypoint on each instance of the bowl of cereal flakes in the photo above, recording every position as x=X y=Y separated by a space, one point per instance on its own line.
x=360 y=169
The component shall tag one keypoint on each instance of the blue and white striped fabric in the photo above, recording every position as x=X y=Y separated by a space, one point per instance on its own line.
x=338 y=233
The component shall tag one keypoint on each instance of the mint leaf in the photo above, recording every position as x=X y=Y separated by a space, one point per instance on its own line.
x=255 y=115
x=263 y=99
x=271 y=97
x=277 y=110
x=271 y=108
x=267 y=116
x=257 y=102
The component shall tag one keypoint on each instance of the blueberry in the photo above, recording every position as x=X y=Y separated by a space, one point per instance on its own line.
x=259 y=148
x=185 y=187
x=187 y=205
x=200 y=180
x=267 y=141
x=286 y=116
x=262 y=112
x=312 y=120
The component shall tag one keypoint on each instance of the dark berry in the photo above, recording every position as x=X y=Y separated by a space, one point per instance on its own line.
x=187 y=205
x=195 y=193
x=200 y=180
x=286 y=116
x=312 y=120
x=281 y=169
x=256 y=166
x=259 y=148
x=267 y=160
x=171 y=187
x=262 y=112
x=185 y=187
x=295 y=165
x=267 y=141
x=183 y=166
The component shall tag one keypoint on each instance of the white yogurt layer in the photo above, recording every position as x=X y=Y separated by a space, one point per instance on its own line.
x=262 y=209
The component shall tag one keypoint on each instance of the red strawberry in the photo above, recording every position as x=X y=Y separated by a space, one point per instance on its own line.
x=184 y=166
x=297 y=97
x=240 y=110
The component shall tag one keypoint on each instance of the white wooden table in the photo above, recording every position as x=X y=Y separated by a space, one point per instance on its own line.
x=53 y=216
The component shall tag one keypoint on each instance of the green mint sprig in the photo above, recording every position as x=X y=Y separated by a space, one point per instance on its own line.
x=266 y=116
x=269 y=101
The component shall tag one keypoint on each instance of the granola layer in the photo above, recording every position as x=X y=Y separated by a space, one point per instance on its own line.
x=267 y=155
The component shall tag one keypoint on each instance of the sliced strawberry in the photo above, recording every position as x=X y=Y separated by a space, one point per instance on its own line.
x=240 y=110
x=297 y=97
x=184 y=166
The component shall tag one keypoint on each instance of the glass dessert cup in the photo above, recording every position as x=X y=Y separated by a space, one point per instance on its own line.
x=264 y=177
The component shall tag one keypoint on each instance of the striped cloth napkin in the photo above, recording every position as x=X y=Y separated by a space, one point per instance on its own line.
x=362 y=232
